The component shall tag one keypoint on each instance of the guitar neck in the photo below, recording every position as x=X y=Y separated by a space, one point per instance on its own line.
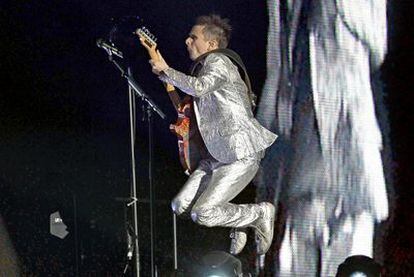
x=174 y=97
x=172 y=92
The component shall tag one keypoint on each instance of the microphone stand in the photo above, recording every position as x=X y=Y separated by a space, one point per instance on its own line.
x=133 y=90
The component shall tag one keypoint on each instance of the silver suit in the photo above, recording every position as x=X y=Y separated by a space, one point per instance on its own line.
x=233 y=137
x=222 y=107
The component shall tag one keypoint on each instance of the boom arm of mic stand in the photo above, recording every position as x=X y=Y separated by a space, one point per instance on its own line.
x=138 y=90
x=144 y=96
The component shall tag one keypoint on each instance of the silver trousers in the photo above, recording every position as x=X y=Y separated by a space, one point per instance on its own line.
x=208 y=190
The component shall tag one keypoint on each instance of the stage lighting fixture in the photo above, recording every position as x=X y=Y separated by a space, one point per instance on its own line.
x=359 y=266
x=220 y=264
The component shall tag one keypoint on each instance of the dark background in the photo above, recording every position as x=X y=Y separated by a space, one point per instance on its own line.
x=64 y=131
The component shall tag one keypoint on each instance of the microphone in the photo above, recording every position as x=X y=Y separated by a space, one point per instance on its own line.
x=111 y=49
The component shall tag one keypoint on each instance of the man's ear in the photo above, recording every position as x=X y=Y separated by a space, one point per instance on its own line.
x=213 y=44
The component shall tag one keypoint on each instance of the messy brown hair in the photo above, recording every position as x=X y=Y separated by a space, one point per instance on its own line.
x=215 y=27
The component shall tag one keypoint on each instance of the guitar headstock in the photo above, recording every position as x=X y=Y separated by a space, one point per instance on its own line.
x=147 y=39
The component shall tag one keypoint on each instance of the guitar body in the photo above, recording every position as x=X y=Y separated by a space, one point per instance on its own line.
x=190 y=145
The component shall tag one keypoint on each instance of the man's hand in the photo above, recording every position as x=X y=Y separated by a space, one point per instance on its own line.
x=158 y=65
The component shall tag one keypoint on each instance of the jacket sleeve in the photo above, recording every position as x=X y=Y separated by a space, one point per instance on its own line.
x=213 y=75
x=367 y=20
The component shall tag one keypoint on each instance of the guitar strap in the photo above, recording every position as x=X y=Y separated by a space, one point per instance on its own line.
x=235 y=58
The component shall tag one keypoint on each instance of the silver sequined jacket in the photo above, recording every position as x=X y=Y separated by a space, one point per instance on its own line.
x=222 y=107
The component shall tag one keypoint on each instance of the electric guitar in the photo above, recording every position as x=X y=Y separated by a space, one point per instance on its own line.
x=189 y=140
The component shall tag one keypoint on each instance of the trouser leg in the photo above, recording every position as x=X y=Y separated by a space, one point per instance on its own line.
x=194 y=186
x=227 y=181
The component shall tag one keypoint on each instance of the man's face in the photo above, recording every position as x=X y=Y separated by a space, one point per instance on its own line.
x=197 y=44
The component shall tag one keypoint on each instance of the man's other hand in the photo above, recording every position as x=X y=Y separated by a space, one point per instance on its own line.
x=158 y=65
